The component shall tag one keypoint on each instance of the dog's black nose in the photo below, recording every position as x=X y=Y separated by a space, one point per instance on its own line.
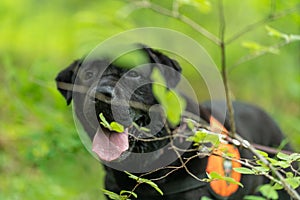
x=107 y=91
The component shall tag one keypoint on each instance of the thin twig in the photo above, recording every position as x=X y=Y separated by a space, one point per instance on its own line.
x=247 y=164
x=269 y=18
x=175 y=14
x=180 y=158
x=255 y=55
x=223 y=67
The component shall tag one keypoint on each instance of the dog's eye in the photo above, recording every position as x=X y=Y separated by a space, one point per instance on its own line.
x=132 y=74
x=88 y=75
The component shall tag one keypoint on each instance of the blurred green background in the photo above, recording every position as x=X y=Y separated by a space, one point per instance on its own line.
x=41 y=156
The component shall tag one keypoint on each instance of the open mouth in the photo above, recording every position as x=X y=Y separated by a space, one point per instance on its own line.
x=109 y=145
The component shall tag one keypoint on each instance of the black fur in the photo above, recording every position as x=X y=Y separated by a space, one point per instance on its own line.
x=252 y=123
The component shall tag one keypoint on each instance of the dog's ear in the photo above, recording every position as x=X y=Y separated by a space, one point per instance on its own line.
x=67 y=76
x=172 y=76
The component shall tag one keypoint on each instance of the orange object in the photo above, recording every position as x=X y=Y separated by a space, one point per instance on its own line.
x=216 y=163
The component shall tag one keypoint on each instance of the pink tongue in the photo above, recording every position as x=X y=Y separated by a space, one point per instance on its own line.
x=110 y=145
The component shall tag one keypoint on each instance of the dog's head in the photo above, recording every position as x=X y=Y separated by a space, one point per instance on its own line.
x=122 y=94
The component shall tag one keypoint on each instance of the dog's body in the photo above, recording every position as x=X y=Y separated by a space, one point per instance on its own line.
x=252 y=124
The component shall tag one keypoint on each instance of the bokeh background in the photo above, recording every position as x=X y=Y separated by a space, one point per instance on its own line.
x=41 y=156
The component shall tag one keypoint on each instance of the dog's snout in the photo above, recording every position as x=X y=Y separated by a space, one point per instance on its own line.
x=107 y=91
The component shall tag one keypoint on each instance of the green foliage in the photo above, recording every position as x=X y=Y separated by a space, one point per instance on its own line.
x=113 y=126
x=268 y=191
x=146 y=181
x=170 y=100
x=201 y=137
x=256 y=48
x=215 y=176
x=244 y=170
x=124 y=194
x=113 y=195
x=275 y=33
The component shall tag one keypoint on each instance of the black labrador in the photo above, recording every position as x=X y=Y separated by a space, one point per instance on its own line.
x=105 y=82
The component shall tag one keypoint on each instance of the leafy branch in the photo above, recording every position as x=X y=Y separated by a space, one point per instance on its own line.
x=174 y=13
x=201 y=135
x=258 y=50
x=271 y=17
x=222 y=43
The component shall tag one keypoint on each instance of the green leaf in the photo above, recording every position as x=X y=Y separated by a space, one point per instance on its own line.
x=213 y=139
x=283 y=164
x=198 y=137
x=268 y=191
x=174 y=107
x=280 y=163
x=112 y=195
x=261 y=169
x=262 y=153
x=243 y=170
x=255 y=48
x=159 y=86
x=283 y=156
x=103 y=121
x=115 y=126
x=215 y=176
x=128 y=192
x=157 y=77
x=289 y=175
x=146 y=181
x=293 y=181
x=277 y=186
x=190 y=124
x=252 y=197
x=172 y=102
x=272 y=161
x=134 y=177
x=275 y=33
x=295 y=157
x=152 y=184
x=201 y=137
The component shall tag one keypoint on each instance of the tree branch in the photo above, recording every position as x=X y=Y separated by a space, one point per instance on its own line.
x=255 y=55
x=269 y=18
x=175 y=14
x=285 y=185
x=223 y=67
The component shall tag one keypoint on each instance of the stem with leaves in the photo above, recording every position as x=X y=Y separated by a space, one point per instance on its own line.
x=293 y=193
